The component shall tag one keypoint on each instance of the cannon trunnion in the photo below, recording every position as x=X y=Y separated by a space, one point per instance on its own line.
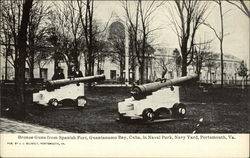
x=155 y=101
x=67 y=91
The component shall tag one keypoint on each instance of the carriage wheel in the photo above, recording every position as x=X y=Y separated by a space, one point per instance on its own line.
x=53 y=102
x=148 y=115
x=179 y=110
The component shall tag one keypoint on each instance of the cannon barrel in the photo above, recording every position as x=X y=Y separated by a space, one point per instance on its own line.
x=75 y=80
x=151 y=87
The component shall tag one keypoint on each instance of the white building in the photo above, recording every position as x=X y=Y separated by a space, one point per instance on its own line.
x=164 y=64
x=162 y=59
x=212 y=73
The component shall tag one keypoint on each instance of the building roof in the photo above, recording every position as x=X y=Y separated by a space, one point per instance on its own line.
x=161 y=51
x=165 y=51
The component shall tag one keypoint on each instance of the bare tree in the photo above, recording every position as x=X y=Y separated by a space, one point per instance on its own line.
x=177 y=61
x=190 y=15
x=92 y=34
x=74 y=21
x=166 y=63
x=86 y=18
x=15 y=18
x=202 y=56
x=64 y=33
x=242 y=71
x=5 y=39
x=117 y=39
x=163 y=64
x=101 y=49
x=11 y=21
x=21 y=58
x=242 y=5
x=220 y=36
x=140 y=27
x=58 y=42
x=132 y=22
x=36 y=32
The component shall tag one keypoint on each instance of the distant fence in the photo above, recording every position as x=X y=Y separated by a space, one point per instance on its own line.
x=110 y=81
x=228 y=82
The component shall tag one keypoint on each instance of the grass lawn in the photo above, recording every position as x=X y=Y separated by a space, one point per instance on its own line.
x=223 y=111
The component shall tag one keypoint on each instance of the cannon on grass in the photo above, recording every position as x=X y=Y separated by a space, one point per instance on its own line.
x=155 y=101
x=67 y=91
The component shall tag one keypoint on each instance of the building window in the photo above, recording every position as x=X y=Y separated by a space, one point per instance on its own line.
x=170 y=74
x=27 y=74
x=224 y=76
x=213 y=77
x=10 y=73
x=113 y=74
x=44 y=73
x=236 y=65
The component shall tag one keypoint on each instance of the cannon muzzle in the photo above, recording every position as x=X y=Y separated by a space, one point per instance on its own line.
x=56 y=83
x=141 y=91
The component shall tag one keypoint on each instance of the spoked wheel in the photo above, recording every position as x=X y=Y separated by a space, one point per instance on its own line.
x=81 y=101
x=53 y=102
x=148 y=115
x=179 y=110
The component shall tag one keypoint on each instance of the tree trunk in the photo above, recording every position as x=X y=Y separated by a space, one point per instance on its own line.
x=86 y=66
x=75 y=60
x=132 y=59
x=163 y=73
x=15 y=63
x=197 y=66
x=32 y=65
x=146 y=70
x=222 y=64
x=8 y=52
x=133 y=69
x=184 y=53
x=56 y=62
x=221 y=42
x=31 y=51
x=143 y=59
x=89 y=61
x=20 y=80
x=121 y=69
x=93 y=66
x=184 y=66
x=6 y=64
x=142 y=67
x=40 y=72
x=133 y=74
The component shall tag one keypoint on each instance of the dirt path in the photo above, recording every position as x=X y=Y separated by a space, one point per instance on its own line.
x=11 y=126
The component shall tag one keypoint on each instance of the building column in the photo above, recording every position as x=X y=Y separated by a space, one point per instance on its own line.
x=126 y=54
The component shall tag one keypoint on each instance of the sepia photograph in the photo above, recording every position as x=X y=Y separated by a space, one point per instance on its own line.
x=124 y=70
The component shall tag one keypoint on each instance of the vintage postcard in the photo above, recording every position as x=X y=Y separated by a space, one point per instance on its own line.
x=124 y=78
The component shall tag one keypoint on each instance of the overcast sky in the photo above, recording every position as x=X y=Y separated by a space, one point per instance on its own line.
x=235 y=22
